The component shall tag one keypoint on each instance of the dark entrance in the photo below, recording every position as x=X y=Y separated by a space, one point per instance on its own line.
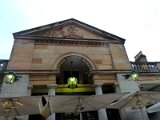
x=36 y=117
x=85 y=116
x=113 y=114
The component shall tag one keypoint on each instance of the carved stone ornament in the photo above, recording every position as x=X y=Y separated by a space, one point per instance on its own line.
x=72 y=33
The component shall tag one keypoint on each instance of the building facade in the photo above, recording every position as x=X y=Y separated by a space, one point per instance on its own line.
x=46 y=56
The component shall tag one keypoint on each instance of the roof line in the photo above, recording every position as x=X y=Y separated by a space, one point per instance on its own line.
x=107 y=34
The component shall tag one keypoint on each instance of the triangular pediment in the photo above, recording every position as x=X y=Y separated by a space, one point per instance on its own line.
x=68 y=31
x=70 y=28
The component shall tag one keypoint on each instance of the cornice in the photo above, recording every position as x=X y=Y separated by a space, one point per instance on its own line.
x=75 y=41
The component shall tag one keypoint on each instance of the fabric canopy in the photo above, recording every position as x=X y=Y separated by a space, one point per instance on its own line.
x=17 y=106
x=138 y=99
x=77 y=103
x=154 y=108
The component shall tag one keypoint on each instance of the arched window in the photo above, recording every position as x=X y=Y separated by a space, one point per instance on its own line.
x=74 y=66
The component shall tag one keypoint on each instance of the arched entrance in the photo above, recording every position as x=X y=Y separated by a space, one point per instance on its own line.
x=80 y=68
x=76 y=66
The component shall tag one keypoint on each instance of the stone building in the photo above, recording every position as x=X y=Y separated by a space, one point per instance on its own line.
x=46 y=56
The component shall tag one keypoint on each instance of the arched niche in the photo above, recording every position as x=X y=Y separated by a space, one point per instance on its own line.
x=76 y=66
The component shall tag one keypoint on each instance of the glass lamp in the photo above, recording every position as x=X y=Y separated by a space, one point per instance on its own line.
x=134 y=75
x=72 y=82
x=10 y=77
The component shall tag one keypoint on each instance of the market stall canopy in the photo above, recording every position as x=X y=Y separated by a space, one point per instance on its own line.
x=138 y=99
x=77 y=103
x=154 y=108
x=18 y=106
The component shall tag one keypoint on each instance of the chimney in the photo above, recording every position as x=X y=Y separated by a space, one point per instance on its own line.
x=140 y=57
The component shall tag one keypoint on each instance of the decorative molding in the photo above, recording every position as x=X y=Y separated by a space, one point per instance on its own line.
x=72 y=57
x=51 y=86
x=68 y=41
x=71 y=42
x=86 y=58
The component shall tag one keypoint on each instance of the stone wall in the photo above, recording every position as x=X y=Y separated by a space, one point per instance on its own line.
x=103 y=57
x=45 y=57
x=105 y=52
x=42 y=79
x=19 y=88
x=104 y=78
x=119 y=56
x=21 y=55
x=26 y=56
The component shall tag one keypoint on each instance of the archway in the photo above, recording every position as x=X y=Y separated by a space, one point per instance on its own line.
x=77 y=66
x=80 y=68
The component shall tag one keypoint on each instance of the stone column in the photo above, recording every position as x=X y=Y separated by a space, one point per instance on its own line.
x=29 y=90
x=51 y=91
x=102 y=114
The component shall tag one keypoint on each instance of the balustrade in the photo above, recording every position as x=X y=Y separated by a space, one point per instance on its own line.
x=145 y=66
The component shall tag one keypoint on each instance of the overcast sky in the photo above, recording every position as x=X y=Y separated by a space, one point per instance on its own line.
x=137 y=21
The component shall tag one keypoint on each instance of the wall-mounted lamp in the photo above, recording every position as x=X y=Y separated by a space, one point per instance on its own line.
x=134 y=75
x=10 y=77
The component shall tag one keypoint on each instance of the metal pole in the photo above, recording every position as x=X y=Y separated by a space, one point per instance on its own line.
x=81 y=117
x=142 y=114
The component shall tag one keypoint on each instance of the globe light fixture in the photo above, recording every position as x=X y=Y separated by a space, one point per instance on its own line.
x=10 y=77
x=72 y=82
x=134 y=75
